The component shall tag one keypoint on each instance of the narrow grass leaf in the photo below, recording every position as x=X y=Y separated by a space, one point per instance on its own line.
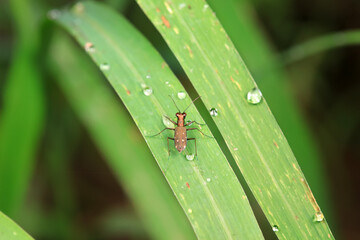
x=321 y=44
x=9 y=230
x=206 y=187
x=113 y=132
x=22 y=112
x=266 y=67
x=253 y=136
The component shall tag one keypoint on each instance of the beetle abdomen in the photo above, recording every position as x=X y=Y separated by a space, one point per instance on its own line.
x=180 y=138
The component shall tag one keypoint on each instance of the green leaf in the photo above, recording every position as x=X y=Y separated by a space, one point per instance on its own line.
x=22 y=112
x=251 y=132
x=10 y=230
x=320 y=44
x=113 y=132
x=239 y=21
x=206 y=188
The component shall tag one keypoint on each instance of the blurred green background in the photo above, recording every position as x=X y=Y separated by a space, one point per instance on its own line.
x=58 y=182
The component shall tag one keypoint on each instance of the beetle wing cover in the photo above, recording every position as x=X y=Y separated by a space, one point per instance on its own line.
x=180 y=138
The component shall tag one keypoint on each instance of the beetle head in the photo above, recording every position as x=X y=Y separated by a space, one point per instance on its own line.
x=181 y=115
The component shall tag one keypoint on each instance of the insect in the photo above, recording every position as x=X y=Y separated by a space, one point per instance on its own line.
x=180 y=131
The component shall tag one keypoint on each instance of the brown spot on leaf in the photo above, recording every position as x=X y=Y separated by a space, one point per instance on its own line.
x=88 y=45
x=188 y=185
x=294 y=166
x=190 y=51
x=165 y=21
x=157 y=10
x=127 y=90
x=237 y=84
x=310 y=196
x=163 y=64
x=275 y=144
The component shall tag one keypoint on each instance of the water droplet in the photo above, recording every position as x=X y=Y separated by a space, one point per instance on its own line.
x=190 y=157
x=181 y=95
x=208 y=179
x=189 y=210
x=275 y=228
x=319 y=217
x=54 y=14
x=213 y=112
x=104 y=66
x=147 y=91
x=167 y=122
x=182 y=5
x=79 y=8
x=254 y=96
x=148 y=76
x=205 y=7
x=89 y=47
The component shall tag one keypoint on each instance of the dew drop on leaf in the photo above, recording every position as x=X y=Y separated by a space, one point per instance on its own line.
x=104 y=66
x=254 y=96
x=190 y=157
x=54 y=14
x=147 y=90
x=319 y=217
x=181 y=95
x=79 y=8
x=213 y=112
x=275 y=228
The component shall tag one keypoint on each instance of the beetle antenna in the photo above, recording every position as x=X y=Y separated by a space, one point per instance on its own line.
x=192 y=103
x=174 y=103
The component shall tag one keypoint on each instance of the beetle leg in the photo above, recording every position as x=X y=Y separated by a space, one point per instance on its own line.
x=189 y=123
x=189 y=129
x=168 y=162
x=195 y=145
x=168 y=144
x=170 y=120
x=162 y=131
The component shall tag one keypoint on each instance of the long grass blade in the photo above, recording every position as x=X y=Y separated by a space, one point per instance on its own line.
x=10 y=230
x=251 y=132
x=266 y=67
x=22 y=111
x=321 y=44
x=206 y=187
x=113 y=132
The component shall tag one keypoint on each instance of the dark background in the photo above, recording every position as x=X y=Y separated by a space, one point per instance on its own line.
x=326 y=87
